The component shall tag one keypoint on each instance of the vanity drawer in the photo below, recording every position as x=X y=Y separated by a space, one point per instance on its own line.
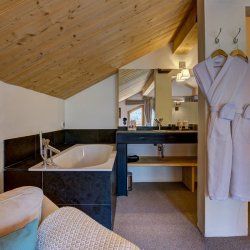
x=155 y=138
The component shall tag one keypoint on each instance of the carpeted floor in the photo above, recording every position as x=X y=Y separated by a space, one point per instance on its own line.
x=162 y=216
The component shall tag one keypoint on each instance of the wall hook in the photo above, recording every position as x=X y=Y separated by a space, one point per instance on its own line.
x=217 y=40
x=236 y=37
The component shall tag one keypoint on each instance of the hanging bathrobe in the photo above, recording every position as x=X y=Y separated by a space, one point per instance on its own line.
x=220 y=79
x=240 y=180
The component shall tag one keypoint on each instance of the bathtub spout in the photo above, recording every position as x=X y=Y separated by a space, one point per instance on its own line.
x=54 y=150
x=44 y=148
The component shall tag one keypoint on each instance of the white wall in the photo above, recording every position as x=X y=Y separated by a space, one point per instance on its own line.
x=187 y=111
x=179 y=89
x=248 y=36
x=159 y=174
x=163 y=100
x=164 y=59
x=26 y=112
x=93 y=108
x=218 y=218
x=156 y=174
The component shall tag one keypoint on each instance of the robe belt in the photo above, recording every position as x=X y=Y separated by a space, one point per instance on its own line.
x=246 y=112
x=226 y=111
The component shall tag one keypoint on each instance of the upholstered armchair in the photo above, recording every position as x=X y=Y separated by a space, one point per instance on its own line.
x=29 y=220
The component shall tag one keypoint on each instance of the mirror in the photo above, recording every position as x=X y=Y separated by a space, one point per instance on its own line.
x=146 y=94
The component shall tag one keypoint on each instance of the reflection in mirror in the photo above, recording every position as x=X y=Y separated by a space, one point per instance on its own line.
x=137 y=115
x=147 y=94
x=136 y=90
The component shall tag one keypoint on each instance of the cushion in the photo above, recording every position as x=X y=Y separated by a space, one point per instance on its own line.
x=22 y=239
x=48 y=207
x=19 y=207
x=70 y=228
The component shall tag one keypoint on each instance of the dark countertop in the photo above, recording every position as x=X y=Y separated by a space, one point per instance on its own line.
x=173 y=127
x=159 y=131
x=156 y=136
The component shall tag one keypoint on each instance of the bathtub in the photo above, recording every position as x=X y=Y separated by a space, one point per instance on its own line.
x=82 y=157
x=84 y=176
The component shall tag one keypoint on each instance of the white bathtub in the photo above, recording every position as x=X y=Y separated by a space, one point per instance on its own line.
x=82 y=157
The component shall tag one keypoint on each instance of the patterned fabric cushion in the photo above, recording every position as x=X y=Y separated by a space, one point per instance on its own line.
x=70 y=228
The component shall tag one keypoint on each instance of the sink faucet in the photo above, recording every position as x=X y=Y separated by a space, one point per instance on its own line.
x=159 y=122
x=44 y=148
x=160 y=148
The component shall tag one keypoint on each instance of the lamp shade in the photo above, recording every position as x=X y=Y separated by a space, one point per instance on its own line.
x=179 y=78
x=185 y=74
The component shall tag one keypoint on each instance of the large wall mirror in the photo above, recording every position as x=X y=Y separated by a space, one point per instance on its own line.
x=146 y=94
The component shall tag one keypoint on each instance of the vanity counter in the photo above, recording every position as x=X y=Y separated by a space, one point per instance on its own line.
x=159 y=131
x=156 y=136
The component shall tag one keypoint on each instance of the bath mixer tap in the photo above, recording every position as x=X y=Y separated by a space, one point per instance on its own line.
x=44 y=148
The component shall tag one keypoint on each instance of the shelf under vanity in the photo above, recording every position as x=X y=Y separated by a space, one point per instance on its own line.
x=187 y=163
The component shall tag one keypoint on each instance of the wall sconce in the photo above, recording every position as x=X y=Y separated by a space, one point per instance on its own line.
x=177 y=103
x=177 y=106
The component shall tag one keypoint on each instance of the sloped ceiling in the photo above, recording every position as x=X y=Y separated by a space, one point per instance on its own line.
x=60 y=47
x=131 y=82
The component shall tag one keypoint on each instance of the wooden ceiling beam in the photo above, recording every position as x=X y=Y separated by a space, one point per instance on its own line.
x=186 y=35
x=134 y=102
x=148 y=84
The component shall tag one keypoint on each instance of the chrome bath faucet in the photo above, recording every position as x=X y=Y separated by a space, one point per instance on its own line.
x=44 y=148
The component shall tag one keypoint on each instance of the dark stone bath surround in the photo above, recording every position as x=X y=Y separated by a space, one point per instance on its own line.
x=92 y=192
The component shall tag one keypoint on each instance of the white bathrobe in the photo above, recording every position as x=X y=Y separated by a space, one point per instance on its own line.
x=220 y=85
x=240 y=180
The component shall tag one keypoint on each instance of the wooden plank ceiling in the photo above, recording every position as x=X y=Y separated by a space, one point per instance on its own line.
x=62 y=47
x=132 y=81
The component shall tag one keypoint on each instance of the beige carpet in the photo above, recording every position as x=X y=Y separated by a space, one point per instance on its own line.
x=162 y=216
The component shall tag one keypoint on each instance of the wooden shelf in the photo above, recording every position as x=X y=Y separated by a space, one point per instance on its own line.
x=170 y=161
x=188 y=163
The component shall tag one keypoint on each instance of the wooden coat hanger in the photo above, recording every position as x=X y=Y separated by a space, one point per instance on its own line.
x=219 y=52
x=238 y=52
